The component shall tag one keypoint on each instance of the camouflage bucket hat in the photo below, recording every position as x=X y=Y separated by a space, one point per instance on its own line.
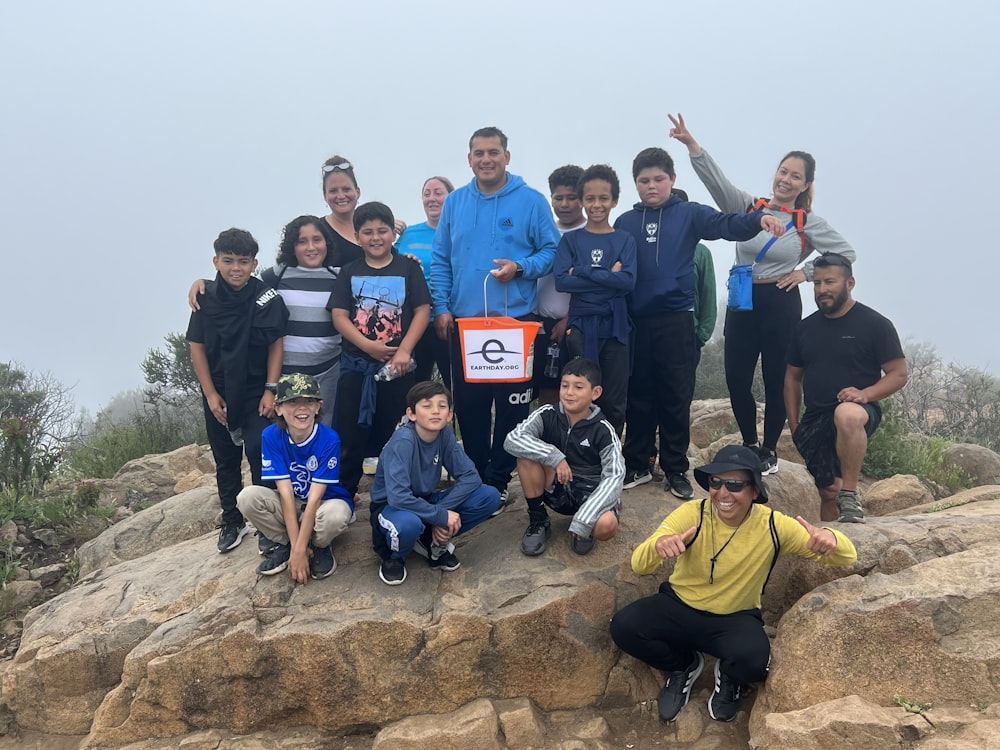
x=297 y=385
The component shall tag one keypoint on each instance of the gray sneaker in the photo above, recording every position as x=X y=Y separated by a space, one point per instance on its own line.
x=533 y=540
x=849 y=505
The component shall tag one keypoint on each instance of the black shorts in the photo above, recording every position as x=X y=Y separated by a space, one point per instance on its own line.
x=566 y=499
x=816 y=439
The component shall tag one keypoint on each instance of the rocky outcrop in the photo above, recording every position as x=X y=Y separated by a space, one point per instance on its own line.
x=153 y=478
x=165 y=643
x=165 y=524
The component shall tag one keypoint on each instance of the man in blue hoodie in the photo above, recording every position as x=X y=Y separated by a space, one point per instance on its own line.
x=666 y=230
x=494 y=226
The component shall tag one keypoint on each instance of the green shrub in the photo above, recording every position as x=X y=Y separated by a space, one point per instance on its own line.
x=892 y=450
x=113 y=444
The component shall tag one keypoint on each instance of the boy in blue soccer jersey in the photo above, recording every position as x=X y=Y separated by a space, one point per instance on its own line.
x=310 y=507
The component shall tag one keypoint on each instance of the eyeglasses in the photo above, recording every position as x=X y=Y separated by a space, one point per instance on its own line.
x=732 y=485
x=344 y=166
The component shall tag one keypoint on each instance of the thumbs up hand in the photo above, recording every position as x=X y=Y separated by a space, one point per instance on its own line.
x=674 y=544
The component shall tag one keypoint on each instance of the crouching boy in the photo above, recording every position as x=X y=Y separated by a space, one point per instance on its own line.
x=570 y=459
x=310 y=507
x=407 y=510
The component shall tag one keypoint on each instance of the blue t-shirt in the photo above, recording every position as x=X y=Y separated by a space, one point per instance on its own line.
x=317 y=459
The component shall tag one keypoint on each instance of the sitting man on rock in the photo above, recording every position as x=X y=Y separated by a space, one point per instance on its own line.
x=725 y=548
x=844 y=358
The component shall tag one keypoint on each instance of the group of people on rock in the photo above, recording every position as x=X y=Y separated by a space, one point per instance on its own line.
x=339 y=340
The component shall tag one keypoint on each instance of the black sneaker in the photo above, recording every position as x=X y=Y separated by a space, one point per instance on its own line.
x=275 y=561
x=581 y=545
x=322 y=563
x=635 y=478
x=231 y=534
x=677 y=690
x=264 y=545
x=533 y=540
x=849 y=505
x=768 y=461
x=724 y=702
x=392 y=571
x=679 y=485
x=442 y=558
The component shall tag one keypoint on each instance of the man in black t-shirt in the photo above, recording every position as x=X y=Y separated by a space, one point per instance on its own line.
x=844 y=359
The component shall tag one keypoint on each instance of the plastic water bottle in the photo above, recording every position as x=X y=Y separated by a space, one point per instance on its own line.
x=387 y=372
x=552 y=363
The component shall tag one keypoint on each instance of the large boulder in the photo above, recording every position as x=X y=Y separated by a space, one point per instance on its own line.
x=928 y=633
x=979 y=464
x=178 y=519
x=156 y=477
x=895 y=494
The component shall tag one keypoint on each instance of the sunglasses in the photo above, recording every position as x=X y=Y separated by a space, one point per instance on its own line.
x=344 y=166
x=833 y=259
x=732 y=485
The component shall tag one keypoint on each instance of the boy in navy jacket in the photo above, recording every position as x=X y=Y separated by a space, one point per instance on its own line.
x=666 y=230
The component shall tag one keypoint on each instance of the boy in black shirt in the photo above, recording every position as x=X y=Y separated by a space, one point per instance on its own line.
x=236 y=350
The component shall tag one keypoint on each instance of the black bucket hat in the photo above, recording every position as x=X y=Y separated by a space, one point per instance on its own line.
x=734 y=458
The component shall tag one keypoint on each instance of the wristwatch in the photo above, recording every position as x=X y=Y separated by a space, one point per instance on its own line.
x=272 y=387
x=519 y=272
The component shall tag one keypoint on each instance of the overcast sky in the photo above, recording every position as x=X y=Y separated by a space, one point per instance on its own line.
x=133 y=134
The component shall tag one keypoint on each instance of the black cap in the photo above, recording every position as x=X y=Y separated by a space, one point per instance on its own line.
x=734 y=458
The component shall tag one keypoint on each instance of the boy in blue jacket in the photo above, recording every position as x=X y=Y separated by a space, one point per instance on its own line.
x=666 y=230
x=409 y=509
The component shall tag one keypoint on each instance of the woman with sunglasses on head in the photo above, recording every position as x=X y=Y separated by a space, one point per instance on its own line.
x=765 y=331
x=303 y=274
x=416 y=241
x=341 y=193
x=724 y=548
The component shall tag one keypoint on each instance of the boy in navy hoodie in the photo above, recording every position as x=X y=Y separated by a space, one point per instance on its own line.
x=405 y=502
x=666 y=230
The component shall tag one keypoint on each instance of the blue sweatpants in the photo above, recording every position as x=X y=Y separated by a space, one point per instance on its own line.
x=402 y=528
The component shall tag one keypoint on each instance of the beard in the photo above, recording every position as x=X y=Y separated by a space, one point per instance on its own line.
x=832 y=305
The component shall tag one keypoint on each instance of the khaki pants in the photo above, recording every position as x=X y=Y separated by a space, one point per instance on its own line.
x=261 y=506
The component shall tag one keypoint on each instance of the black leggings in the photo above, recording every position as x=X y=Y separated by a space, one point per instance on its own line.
x=664 y=632
x=763 y=332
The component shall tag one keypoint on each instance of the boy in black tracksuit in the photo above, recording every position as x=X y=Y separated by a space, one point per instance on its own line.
x=236 y=350
x=569 y=458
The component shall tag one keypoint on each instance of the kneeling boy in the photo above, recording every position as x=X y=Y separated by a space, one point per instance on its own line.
x=302 y=456
x=406 y=508
x=569 y=458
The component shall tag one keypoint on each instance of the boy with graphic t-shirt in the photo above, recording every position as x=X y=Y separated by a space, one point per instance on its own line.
x=301 y=455
x=381 y=306
x=596 y=264
x=236 y=349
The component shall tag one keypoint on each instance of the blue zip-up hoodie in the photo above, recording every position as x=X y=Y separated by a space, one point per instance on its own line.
x=665 y=239
x=514 y=223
